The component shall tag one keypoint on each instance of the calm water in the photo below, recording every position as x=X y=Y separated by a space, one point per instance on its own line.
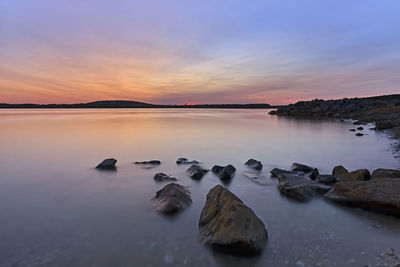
x=56 y=210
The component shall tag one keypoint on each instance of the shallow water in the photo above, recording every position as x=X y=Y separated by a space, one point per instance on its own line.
x=57 y=210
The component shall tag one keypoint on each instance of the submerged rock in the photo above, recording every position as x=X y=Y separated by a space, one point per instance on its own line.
x=224 y=173
x=352 y=130
x=379 y=195
x=359 y=134
x=255 y=164
x=161 y=177
x=360 y=128
x=150 y=162
x=385 y=173
x=299 y=187
x=107 y=164
x=227 y=224
x=196 y=172
x=172 y=198
x=186 y=161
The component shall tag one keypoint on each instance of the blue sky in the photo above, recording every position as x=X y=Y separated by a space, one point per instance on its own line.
x=171 y=52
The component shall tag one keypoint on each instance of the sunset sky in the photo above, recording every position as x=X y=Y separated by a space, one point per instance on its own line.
x=209 y=51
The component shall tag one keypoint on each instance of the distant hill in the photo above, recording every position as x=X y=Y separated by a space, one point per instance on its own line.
x=132 y=104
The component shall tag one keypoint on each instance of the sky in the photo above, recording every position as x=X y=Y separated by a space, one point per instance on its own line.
x=209 y=51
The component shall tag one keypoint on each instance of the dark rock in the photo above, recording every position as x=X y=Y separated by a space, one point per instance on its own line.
x=107 y=164
x=383 y=125
x=255 y=164
x=326 y=179
x=359 y=123
x=379 y=195
x=359 y=134
x=226 y=173
x=299 y=187
x=339 y=171
x=228 y=225
x=172 y=198
x=360 y=128
x=186 y=161
x=352 y=130
x=161 y=177
x=385 y=173
x=301 y=168
x=196 y=172
x=344 y=175
x=314 y=174
x=150 y=162
x=276 y=171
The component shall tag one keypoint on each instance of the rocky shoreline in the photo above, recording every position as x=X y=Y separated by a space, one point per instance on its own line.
x=383 y=111
x=226 y=224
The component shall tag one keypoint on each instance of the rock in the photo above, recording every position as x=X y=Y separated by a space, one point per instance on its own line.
x=276 y=171
x=161 y=177
x=358 y=175
x=358 y=123
x=339 y=171
x=255 y=164
x=326 y=179
x=385 y=173
x=383 y=125
x=226 y=173
x=359 y=134
x=301 y=168
x=107 y=164
x=352 y=130
x=314 y=174
x=379 y=195
x=196 y=172
x=172 y=198
x=299 y=187
x=360 y=128
x=186 y=161
x=150 y=162
x=228 y=225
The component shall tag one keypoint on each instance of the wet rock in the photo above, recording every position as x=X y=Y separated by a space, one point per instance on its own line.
x=255 y=164
x=314 y=174
x=326 y=179
x=299 y=187
x=107 y=164
x=360 y=128
x=161 y=177
x=226 y=173
x=359 y=134
x=352 y=130
x=172 y=198
x=196 y=172
x=186 y=161
x=385 y=173
x=379 y=195
x=383 y=125
x=301 y=168
x=150 y=162
x=228 y=225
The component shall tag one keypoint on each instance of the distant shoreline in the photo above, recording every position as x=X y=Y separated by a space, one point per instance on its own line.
x=133 y=104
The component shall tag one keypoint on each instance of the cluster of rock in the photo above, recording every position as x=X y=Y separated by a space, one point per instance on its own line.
x=378 y=192
x=383 y=110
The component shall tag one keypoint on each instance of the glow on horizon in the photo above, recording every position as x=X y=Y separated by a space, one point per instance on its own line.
x=178 y=52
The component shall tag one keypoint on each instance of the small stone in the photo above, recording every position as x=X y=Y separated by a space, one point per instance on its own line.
x=107 y=164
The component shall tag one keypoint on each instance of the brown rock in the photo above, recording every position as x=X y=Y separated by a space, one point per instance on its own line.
x=227 y=224
x=345 y=175
x=379 y=195
x=385 y=173
x=339 y=171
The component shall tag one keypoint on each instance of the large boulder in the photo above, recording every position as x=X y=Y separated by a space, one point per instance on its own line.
x=254 y=164
x=196 y=172
x=107 y=164
x=224 y=173
x=227 y=224
x=379 y=195
x=186 y=161
x=299 y=187
x=172 y=198
x=385 y=173
x=162 y=177
x=339 y=171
